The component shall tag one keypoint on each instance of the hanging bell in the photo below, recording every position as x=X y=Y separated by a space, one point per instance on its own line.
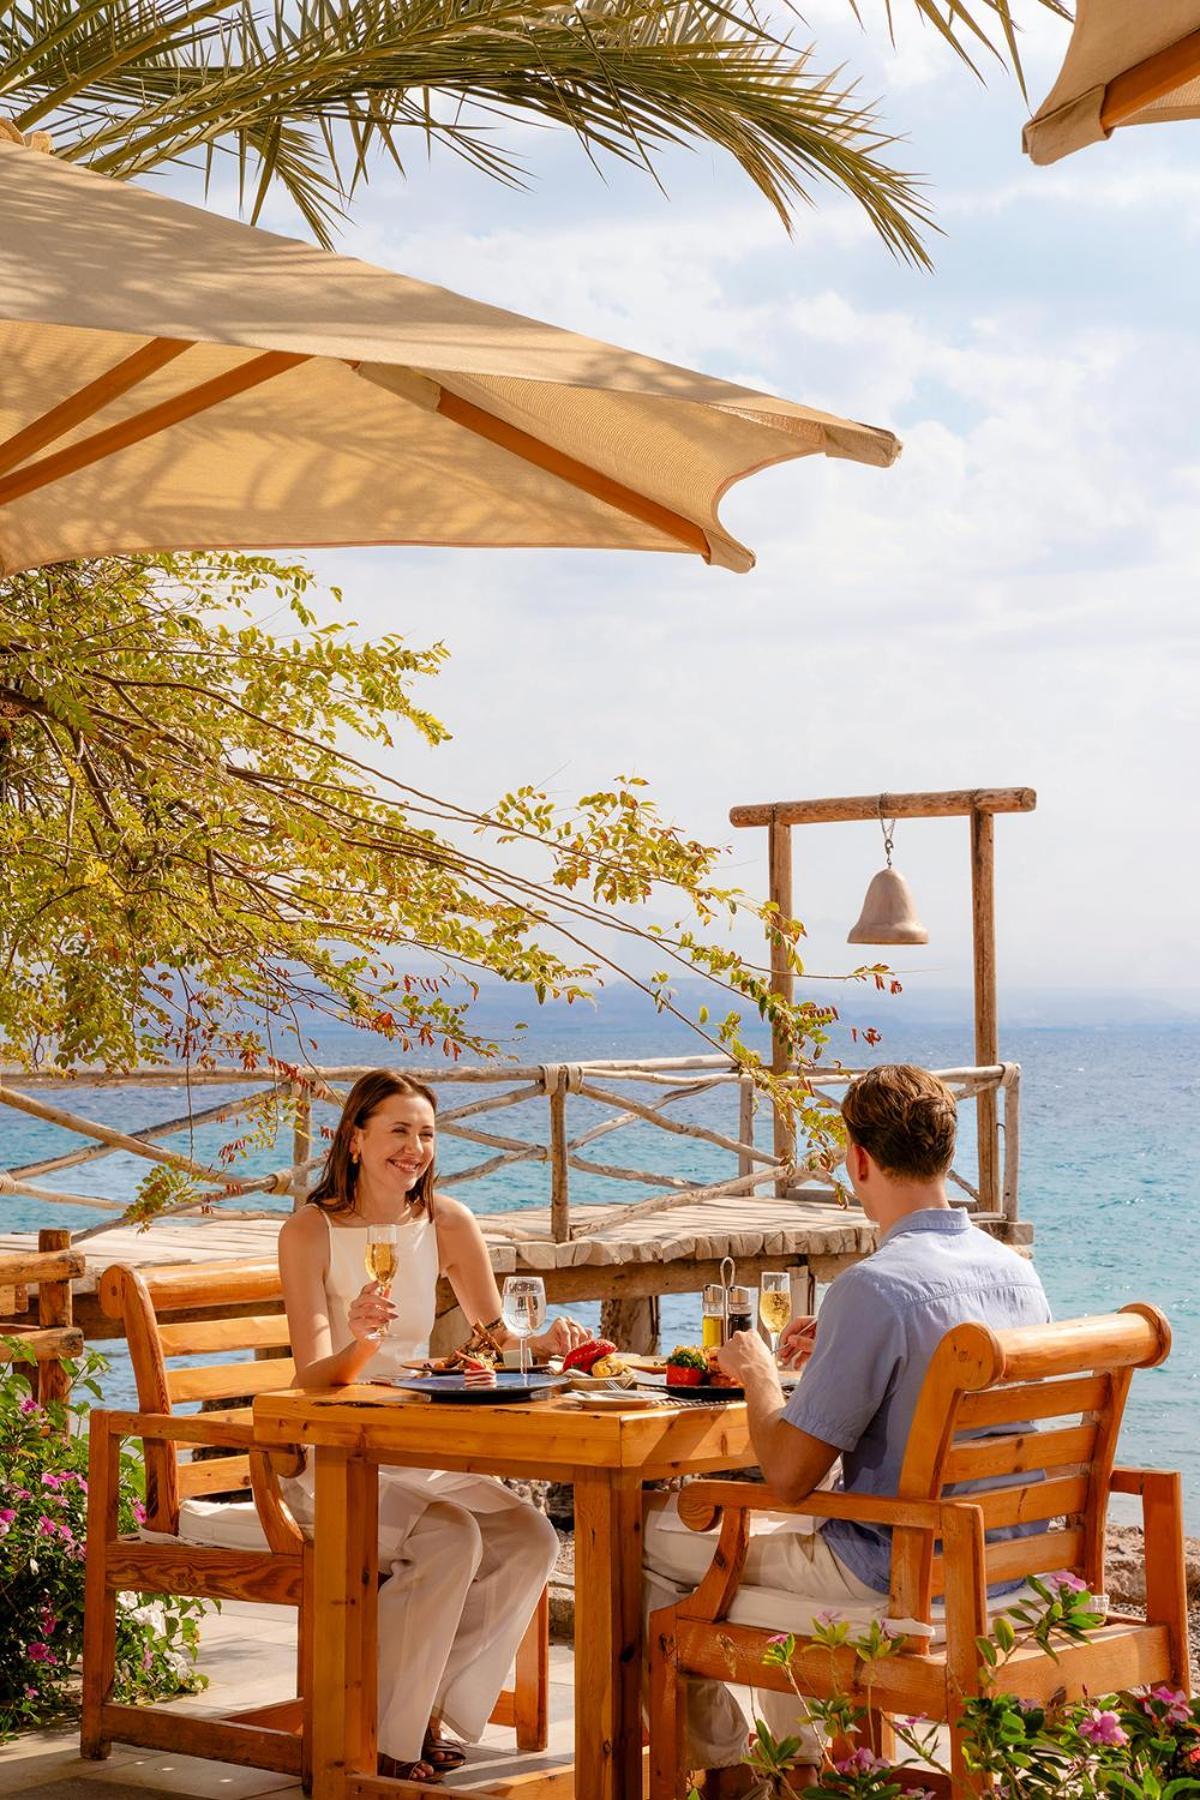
x=889 y=914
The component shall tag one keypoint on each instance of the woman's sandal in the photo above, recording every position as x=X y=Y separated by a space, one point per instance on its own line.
x=443 y=1754
x=423 y=1770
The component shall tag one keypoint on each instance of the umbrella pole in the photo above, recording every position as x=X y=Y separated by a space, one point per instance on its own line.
x=145 y=424
x=1129 y=94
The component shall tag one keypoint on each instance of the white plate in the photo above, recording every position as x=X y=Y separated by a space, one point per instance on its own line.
x=604 y=1400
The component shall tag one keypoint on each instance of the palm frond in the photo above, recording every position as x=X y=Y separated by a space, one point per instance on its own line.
x=307 y=94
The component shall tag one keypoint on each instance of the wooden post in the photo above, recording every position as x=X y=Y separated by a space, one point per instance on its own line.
x=983 y=918
x=301 y=1143
x=633 y=1324
x=560 y=1200
x=1010 y=1197
x=745 y=1123
x=54 y=1309
x=779 y=860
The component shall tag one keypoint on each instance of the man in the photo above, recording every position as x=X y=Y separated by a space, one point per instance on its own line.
x=880 y=1323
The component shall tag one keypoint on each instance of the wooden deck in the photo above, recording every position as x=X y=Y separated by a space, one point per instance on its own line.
x=610 y=1257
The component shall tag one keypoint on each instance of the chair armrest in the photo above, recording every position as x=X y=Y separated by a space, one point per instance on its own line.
x=701 y=1501
x=165 y=1427
x=1135 y=1481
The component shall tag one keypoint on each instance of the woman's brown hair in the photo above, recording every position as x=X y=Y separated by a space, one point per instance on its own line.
x=335 y=1189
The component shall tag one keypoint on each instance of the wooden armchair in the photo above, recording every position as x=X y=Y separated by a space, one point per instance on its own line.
x=1050 y=1400
x=234 y=1550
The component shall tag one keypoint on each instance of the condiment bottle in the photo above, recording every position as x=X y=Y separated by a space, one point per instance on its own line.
x=741 y=1310
x=712 y=1316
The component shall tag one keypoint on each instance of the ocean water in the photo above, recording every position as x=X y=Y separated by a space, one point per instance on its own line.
x=1110 y=1171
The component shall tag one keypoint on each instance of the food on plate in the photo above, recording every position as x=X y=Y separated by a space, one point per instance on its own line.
x=480 y=1348
x=581 y=1359
x=611 y=1368
x=716 y=1376
x=479 y=1371
x=687 y=1366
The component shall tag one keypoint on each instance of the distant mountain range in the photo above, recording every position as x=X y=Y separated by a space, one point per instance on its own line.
x=622 y=1008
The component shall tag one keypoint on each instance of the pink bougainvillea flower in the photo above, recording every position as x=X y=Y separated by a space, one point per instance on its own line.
x=40 y=1653
x=28 y=1407
x=46 y=1527
x=1103 y=1728
x=7 y=1515
x=5 y=1528
x=139 y=1512
x=51 y=1481
x=1066 y=1583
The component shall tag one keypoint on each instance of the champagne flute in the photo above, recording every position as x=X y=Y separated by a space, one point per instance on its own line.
x=524 y=1302
x=775 y=1304
x=380 y=1258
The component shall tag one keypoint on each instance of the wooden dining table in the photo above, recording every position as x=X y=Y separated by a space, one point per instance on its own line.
x=605 y=1456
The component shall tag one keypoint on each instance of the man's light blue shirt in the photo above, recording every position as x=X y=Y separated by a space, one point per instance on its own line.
x=880 y=1323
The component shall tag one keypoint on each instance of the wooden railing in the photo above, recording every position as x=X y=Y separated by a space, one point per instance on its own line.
x=658 y=1085
x=39 y=1284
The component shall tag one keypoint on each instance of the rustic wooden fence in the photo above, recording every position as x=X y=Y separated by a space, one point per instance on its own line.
x=38 y=1284
x=658 y=1085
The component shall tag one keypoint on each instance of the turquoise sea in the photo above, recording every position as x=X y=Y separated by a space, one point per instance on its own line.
x=1110 y=1168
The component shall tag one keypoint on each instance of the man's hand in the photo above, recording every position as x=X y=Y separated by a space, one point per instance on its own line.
x=796 y=1344
x=744 y=1356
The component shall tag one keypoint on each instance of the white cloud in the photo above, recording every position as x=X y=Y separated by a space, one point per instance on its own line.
x=1014 y=602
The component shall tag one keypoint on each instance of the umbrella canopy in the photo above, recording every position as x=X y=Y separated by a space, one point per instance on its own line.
x=173 y=379
x=1129 y=62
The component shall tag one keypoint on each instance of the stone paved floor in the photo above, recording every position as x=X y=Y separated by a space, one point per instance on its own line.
x=248 y=1651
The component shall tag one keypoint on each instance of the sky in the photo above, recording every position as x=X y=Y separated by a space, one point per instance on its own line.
x=1011 y=604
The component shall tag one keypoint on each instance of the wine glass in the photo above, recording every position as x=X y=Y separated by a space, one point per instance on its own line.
x=775 y=1304
x=524 y=1302
x=380 y=1258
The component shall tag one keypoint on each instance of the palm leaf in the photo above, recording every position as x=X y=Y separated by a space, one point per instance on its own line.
x=306 y=94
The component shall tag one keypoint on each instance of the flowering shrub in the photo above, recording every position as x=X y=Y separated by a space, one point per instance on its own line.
x=1143 y=1746
x=43 y=1510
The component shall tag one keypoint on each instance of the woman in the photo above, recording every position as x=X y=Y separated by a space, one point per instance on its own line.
x=468 y=1558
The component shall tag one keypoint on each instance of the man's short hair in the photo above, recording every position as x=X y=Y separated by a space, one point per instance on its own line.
x=903 y=1117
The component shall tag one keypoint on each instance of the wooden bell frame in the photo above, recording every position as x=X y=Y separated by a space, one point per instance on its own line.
x=980 y=806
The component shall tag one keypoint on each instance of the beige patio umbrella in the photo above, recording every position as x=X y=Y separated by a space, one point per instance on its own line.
x=1129 y=62
x=172 y=379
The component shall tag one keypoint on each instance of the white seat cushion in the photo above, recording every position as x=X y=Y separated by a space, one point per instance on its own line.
x=215 y=1524
x=778 y=1609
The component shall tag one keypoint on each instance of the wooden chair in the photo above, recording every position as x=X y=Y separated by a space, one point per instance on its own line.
x=247 y=1550
x=1050 y=1399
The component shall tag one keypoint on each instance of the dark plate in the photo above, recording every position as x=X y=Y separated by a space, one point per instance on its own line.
x=445 y=1374
x=510 y=1385
x=679 y=1391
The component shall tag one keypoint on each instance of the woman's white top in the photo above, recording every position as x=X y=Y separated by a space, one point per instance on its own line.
x=413 y=1292
x=414 y=1295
